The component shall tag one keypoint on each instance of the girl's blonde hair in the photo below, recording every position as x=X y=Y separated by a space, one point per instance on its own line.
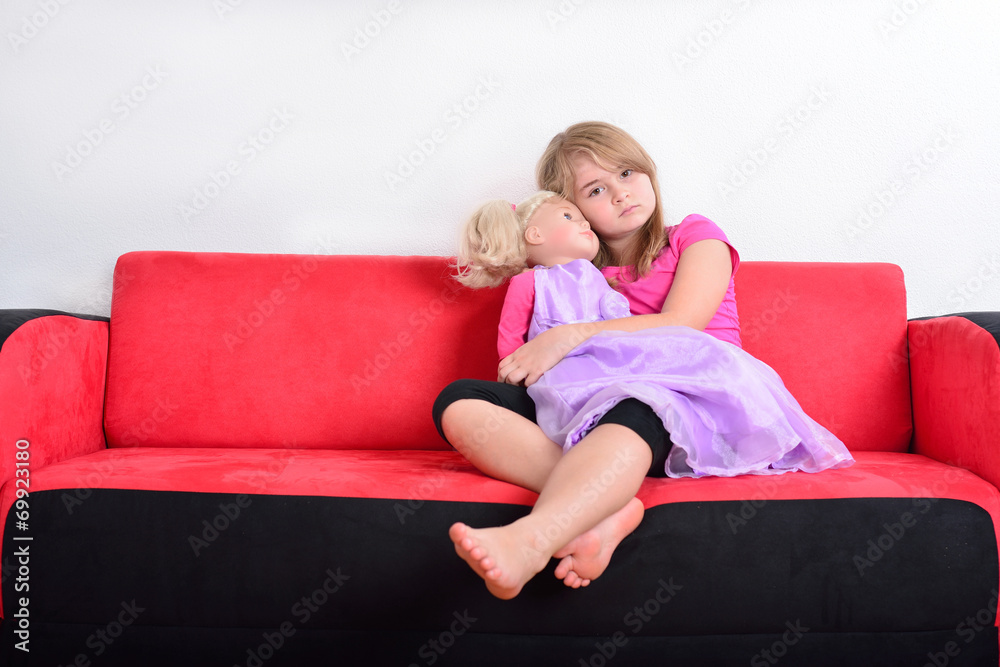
x=492 y=249
x=612 y=149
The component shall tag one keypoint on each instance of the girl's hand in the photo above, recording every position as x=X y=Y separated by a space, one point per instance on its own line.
x=527 y=363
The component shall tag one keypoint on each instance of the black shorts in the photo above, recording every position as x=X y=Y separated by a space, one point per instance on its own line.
x=630 y=412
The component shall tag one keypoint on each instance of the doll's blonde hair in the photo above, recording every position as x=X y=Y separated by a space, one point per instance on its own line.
x=491 y=248
x=612 y=148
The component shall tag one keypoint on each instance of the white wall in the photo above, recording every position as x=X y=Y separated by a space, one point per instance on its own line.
x=887 y=106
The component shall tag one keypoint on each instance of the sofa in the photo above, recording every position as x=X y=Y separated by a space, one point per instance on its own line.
x=239 y=467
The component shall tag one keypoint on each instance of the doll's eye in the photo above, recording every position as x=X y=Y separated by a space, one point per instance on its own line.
x=567 y=216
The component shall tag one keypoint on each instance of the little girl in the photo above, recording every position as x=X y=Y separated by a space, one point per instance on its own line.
x=685 y=279
x=728 y=412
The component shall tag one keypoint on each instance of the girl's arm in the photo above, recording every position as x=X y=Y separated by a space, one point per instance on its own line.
x=515 y=317
x=700 y=282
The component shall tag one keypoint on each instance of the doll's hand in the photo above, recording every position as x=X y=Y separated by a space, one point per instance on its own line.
x=527 y=363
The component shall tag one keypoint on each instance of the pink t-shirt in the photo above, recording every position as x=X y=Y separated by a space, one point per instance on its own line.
x=645 y=296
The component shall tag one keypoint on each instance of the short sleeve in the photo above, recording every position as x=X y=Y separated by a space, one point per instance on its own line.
x=614 y=305
x=696 y=228
x=515 y=318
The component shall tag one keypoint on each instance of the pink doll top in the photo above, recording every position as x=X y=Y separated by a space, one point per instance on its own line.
x=645 y=296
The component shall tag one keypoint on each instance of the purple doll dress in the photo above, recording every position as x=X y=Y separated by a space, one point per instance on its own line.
x=727 y=412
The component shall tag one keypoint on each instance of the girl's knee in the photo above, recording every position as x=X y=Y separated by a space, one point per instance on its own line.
x=455 y=391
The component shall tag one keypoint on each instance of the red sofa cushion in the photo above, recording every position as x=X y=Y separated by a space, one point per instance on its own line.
x=417 y=476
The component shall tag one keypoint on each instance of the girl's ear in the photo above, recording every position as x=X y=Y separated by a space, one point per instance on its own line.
x=533 y=236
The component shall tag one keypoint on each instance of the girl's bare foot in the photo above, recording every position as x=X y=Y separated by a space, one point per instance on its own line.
x=503 y=557
x=587 y=556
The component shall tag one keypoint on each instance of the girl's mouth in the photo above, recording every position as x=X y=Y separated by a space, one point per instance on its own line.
x=629 y=210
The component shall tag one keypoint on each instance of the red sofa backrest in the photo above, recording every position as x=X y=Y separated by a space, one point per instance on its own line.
x=349 y=352
x=836 y=334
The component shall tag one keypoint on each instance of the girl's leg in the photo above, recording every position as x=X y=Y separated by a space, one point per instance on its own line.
x=587 y=556
x=594 y=480
x=500 y=443
x=492 y=424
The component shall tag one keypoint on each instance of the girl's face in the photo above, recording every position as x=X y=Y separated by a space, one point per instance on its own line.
x=617 y=203
x=561 y=233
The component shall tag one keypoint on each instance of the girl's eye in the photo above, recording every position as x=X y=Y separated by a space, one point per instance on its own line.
x=594 y=191
x=626 y=173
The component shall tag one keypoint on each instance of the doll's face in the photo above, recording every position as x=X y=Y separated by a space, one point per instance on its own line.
x=558 y=233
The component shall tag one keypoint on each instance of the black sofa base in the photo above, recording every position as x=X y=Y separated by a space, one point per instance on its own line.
x=172 y=647
x=353 y=581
